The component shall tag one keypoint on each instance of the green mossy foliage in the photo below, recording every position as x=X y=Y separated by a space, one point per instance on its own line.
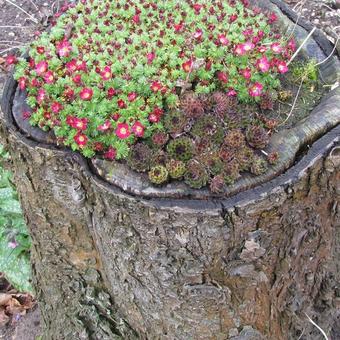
x=14 y=239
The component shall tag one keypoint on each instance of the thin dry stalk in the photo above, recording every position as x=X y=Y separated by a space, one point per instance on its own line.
x=318 y=327
x=335 y=45
x=294 y=103
x=22 y=10
x=7 y=42
x=11 y=48
x=300 y=47
x=13 y=27
x=299 y=11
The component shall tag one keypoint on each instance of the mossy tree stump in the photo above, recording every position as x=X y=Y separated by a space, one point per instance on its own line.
x=122 y=260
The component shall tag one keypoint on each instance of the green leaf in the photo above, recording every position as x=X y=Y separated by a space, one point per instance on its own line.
x=14 y=238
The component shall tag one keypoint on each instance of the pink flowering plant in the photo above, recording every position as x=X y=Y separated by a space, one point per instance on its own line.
x=106 y=76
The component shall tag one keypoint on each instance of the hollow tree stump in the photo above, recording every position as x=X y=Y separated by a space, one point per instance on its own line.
x=106 y=263
x=110 y=263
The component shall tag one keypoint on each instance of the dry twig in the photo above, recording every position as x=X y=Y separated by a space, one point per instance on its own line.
x=22 y=10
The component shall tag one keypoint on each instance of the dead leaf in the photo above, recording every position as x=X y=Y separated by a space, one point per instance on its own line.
x=26 y=300
x=4 y=319
x=4 y=298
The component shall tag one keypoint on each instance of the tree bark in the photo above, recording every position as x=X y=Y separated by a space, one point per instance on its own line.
x=108 y=264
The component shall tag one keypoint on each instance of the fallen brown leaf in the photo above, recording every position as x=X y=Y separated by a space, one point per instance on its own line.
x=4 y=319
x=4 y=298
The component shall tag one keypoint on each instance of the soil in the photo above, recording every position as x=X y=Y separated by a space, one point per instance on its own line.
x=324 y=14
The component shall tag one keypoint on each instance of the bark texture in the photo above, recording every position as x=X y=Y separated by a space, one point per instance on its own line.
x=107 y=264
x=112 y=265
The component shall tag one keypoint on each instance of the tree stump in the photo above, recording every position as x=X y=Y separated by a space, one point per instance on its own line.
x=123 y=260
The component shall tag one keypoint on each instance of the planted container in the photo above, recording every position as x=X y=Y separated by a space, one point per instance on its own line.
x=199 y=199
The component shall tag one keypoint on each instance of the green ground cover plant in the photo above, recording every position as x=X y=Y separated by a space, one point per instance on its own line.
x=14 y=239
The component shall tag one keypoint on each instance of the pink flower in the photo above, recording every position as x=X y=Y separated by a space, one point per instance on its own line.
x=276 y=47
x=136 y=19
x=26 y=114
x=22 y=83
x=256 y=90
x=111 y=153
x=77 y=79
x=115 y=116
x=260 y=34
x=35 y=82
x=262 y=49
x=80 y=139
x=257 y=10
x=178 y=27
x=121 y=104
x=272 y=18
x=71 y=65
x=77 y=123
x=198 y=34
x=31 y=63
x=138 y=129
x=158 y=111
x=222 y=76
x=187 y=66
x=208 y=65
x=248 y=46
x=49 y=77
x=150 y=57
x=156 y=86
x=153 y=118
x=231 y=93
x=255 y=40
x=81 y=66
x=98 y=146
x=12 y=244
x=40 y=49
x=132 y=96
x=80 y=123
x=232 y=18
x=11 y=59
x=106 y=73
x=56 y=107
x=106 y=126
x=64 y=48
x=248 y=32
x=111 y=92
x=246 y=73
x=291 y=45
x=263 y=64
x=69 y=93
x=155 y=115
x=122 y=131
x=41 y=67
x=223 y=40
x=47 y=115
x=41 y=95
x=282 y=66
x=197 y=8
x=86 y=94
x=70 y=120
x=239 y=49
